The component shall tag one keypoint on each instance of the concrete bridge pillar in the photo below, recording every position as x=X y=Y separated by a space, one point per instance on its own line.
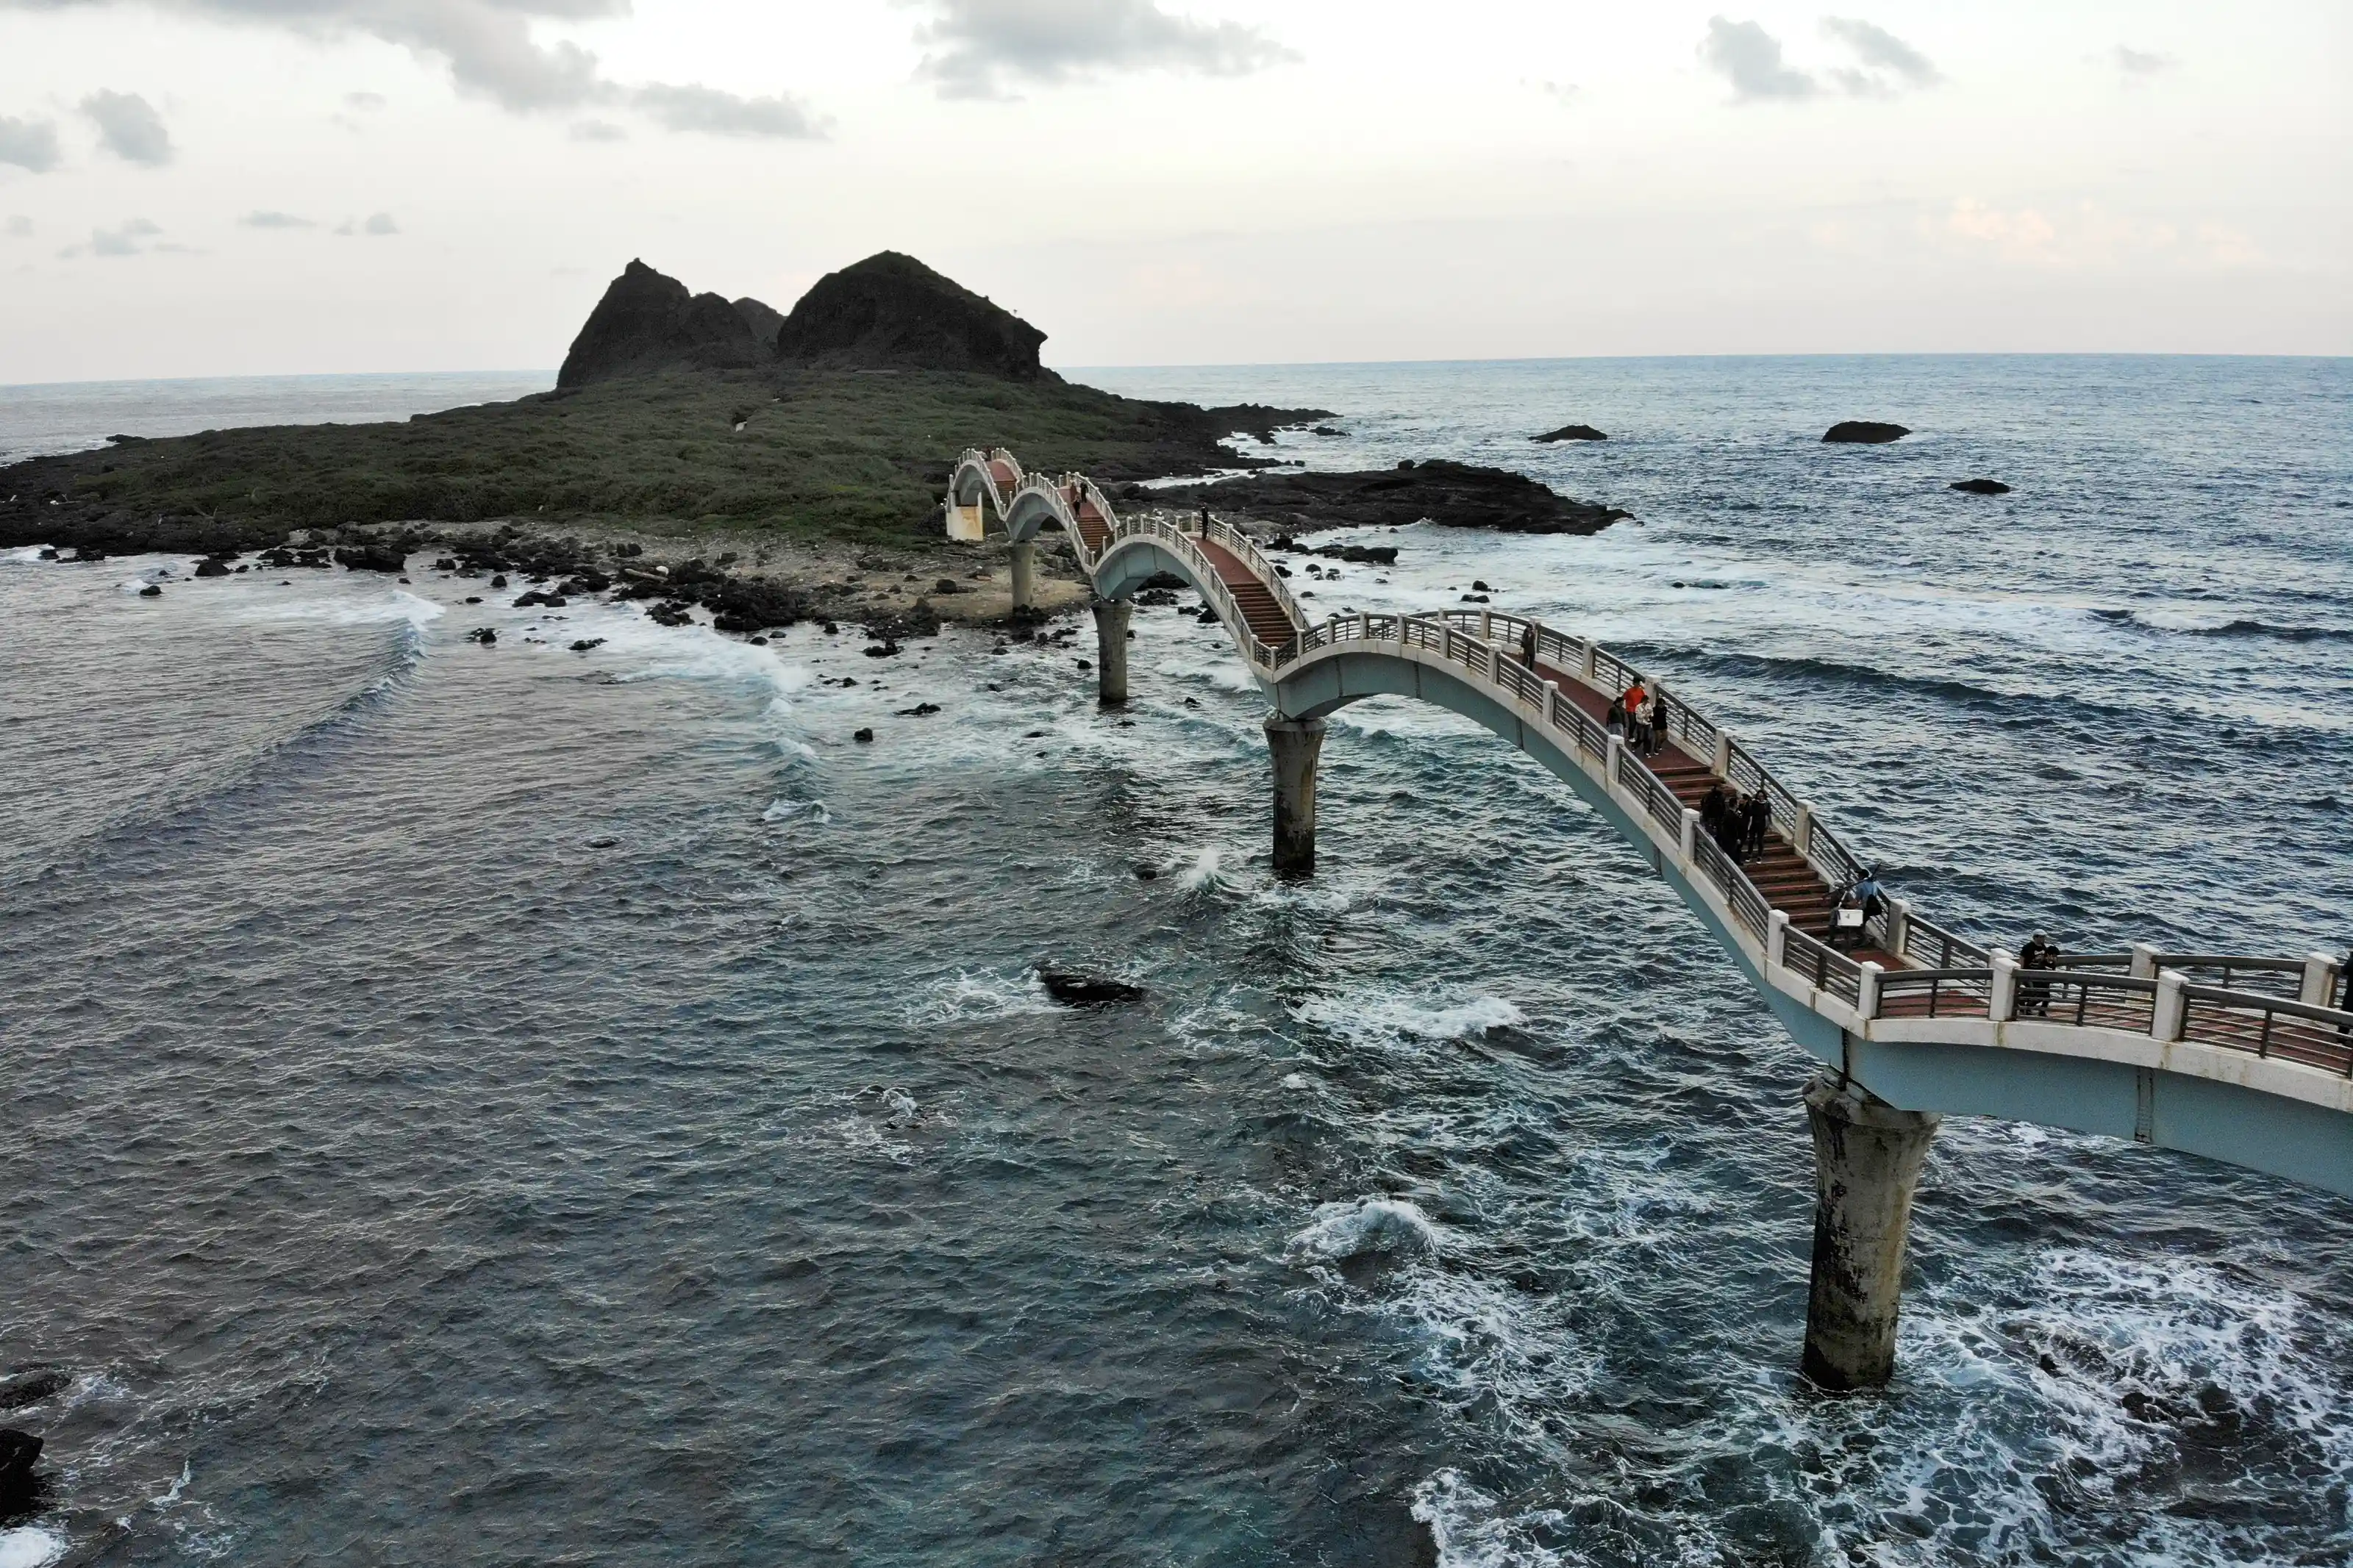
x=1025 y=574
x=1867 y=1158
x=1296 y=744
x=1111 y=651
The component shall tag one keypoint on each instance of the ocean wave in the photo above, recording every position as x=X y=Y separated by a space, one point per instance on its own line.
x=811 y=811
x=1340 y=1230
x=1473 y=1530
x=30 y=1546
x=970 y=996
x=1392 y=1018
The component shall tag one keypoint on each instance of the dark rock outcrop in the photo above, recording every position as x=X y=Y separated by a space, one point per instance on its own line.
x=648 y=323
x=763 y=319
x=20 y=1389
x=891 y=311
x=1865 y=431
x=373 y=557
x=20 y=1489
x=1980 y=487
x=1452 y=495
x=210 y=567
x=1087 y=990
x=1572 y=433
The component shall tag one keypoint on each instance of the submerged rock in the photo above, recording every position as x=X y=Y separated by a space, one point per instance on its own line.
x=1980 y=487
x=1087 y=990
x=209 y=568
x=151 y=592
x=1865 y=431
x=20 y=1490
x=1450 y=494
x=373 y=558
x=23 y=1388
x=1572 y=433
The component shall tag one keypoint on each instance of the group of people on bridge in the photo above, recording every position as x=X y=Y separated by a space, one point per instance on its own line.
x=1739 y=823
x=1640 y=715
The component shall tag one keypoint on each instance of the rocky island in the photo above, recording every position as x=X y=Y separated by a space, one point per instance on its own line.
x=1452 y=495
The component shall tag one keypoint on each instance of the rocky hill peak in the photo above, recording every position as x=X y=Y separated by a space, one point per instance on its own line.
x=891 y=311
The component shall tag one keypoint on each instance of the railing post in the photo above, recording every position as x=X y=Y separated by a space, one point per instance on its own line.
x=2172 y=1010
x=2144 y=961
x=1777 y=940
x=2319 y=979
x=1899 y=926
x=1588 y=661
x=1552 y=703
x=1802 y=833
x=1486 y=626
x=1609 y=762
x=2002 y=1000
x=1688 y=851
x=1866 y=991
x=1723 y=764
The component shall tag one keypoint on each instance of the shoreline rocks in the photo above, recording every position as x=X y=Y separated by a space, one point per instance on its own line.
x=1450 y=494
x=1572 y=433
x=1979 y=487
x=1865 y=432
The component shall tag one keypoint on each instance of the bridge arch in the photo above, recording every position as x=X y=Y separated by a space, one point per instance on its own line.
x=1128 y=564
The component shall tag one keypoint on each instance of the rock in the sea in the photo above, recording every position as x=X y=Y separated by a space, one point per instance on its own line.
x=373 y=558
x=892 y=310
x=20 y=1389
x=863 y=736
x=210 y=567
x=1865 y=431
x=1980 y=487
x=486 y=636
x=1452 y=495
x=648 y=323
x=1087 y=990
x=151 y=592
x=585 y=644
x=19 y=1489
x=1572 y=433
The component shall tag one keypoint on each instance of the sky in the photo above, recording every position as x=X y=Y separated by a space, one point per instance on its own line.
x=216 y=187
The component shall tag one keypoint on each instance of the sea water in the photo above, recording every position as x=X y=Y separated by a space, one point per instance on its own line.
x=502 y=1104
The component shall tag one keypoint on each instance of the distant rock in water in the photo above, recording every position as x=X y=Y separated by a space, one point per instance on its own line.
x=1865 y=431
x=648 y=323
x=1980 y=487
x=1573 y=433
x=1087 y=990
x=1452 y=495
x=891 y=311
x=763 y=319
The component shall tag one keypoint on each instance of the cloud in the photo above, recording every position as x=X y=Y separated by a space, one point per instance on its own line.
x=122 y=240
x=2141 y=62
x=381 y=223
x=978 y=44
x=20 y=228
x=706 y=109
x=598 y=130
x=488 y=49
x=1749 y=58
x=366 y=101
x=264 y=219
x=1880 y=51
x=1559 y=91
x=28 y=143
x=130 y=127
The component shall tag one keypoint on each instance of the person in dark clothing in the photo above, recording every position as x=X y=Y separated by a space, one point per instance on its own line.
x=1711 y=810
x=1760 y=822
x=1528 y=646
x=2345 y=979
x=1615 y=720
x=2034 y=995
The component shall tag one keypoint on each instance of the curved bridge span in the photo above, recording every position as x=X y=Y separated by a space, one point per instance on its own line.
x=2238 y=1057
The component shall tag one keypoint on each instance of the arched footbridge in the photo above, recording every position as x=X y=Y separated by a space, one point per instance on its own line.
x=2238 y=1057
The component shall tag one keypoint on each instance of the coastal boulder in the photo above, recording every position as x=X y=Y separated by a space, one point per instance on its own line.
x=20 y=1389
x=648 y=323
x=1573 y=433
x=373 y=557
x=20 y=1490
x=1979 y=487
x=1087 y=990
x=892 y=310
x=1865 y=431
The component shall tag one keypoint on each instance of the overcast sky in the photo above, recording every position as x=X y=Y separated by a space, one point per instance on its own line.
x=194 y=187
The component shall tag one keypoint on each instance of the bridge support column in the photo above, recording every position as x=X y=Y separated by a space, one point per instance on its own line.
x=1867 y=1158
x=1111 y=651
x=1025 y=574
x=1296 y=743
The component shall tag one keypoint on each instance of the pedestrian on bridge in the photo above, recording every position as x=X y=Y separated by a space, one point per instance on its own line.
x=1711 y=810
x=1528 y=646
x=1615 y=722
x=1760 y=822
x=2039 y=953
x=1637 y=702
x=1732 y=831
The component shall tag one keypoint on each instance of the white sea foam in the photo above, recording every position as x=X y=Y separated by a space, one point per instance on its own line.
x=29 y=1546
x=1338 y=1230
x=809 y=811
x=970 y=996
x=1473 y=1530
x=1390 y=1019
x=1203 y=871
